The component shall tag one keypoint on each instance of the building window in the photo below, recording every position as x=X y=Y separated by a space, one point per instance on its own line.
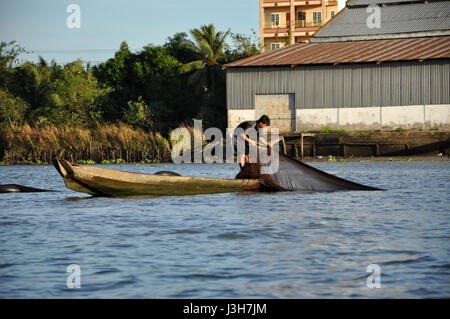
x=275 y=46
x=301 y=19
x=317 y=17
x=332 y=14
x=275 y=19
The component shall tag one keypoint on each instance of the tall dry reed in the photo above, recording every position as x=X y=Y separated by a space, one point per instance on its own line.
x=27 y=144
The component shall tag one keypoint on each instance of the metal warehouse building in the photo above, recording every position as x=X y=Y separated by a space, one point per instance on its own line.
x=398 y=77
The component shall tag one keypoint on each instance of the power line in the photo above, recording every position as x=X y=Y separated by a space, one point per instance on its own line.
x=85 y=51
x=77 y=52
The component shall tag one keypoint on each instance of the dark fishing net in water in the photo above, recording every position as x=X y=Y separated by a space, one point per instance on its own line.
x=294 y=175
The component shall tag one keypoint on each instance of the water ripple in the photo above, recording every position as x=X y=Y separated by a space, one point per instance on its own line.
x=251 y=245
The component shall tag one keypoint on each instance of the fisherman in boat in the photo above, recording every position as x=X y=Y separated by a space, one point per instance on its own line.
x=240 y=133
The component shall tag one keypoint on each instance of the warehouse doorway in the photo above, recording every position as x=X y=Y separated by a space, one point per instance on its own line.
x=280 y=108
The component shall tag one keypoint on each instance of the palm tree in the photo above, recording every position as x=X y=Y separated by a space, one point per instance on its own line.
x=208 y=44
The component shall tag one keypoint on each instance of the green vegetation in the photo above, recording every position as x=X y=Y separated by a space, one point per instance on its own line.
x=288 y=38
x=327 y=129
x=113 y=161
x=89 y=162
x=122 y=108
x=206 y=76
x=111 y=142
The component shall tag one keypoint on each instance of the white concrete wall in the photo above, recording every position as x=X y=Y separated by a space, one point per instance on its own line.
x=355 y=117
x=362 y=118
x=411 y=116
x=437 y=116
x=386 y=117
x=312 y=119
x=235 y=117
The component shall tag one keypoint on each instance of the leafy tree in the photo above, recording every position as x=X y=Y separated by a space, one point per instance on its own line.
x=124 y=46
x=150 y=89
x=12 y=109
x=151 y=70
x=112 y=74
x=32 y=82
x=150 y=75
x=180 y=47
x=9 y=53
x=242 y=46
x=209 y=45
x=138 y=114
x=58 y=94
x=79 y=95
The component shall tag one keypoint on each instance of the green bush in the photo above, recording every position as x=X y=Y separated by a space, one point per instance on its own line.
x=90 y=162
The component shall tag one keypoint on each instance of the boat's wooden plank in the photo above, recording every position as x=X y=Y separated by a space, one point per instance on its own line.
x=113 y=188
x=102 y=181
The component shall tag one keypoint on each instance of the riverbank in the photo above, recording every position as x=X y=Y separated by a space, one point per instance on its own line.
x=318 y=159
x=120 y=144
x=105 y=143
x=333 y=159
x=366 y=144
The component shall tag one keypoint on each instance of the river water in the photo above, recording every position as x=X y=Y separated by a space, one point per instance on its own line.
x=251 y=245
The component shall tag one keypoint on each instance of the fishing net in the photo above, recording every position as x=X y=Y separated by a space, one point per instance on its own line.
x=294 y=175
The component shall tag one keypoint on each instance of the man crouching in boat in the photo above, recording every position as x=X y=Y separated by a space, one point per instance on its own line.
x=249 y=170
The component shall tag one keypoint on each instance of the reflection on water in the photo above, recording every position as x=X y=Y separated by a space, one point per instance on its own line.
x=236 y=245
x=77 y=199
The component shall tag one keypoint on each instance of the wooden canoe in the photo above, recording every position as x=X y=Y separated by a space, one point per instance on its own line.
x=109 y=182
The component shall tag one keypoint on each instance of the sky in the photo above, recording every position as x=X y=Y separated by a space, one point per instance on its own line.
x=40 y=26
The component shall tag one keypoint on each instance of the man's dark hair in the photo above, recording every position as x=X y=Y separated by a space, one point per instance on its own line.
x=264 y=120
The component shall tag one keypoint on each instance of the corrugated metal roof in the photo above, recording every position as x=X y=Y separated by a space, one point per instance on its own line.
x=395 y=19
x=351 y=52
x=354 y=3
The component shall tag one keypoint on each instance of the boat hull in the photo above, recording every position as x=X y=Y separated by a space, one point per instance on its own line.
x=108 y=182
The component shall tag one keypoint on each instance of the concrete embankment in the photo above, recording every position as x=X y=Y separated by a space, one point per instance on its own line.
x=366 y=144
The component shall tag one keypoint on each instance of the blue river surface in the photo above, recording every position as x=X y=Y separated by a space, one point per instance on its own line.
x=233 y=245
